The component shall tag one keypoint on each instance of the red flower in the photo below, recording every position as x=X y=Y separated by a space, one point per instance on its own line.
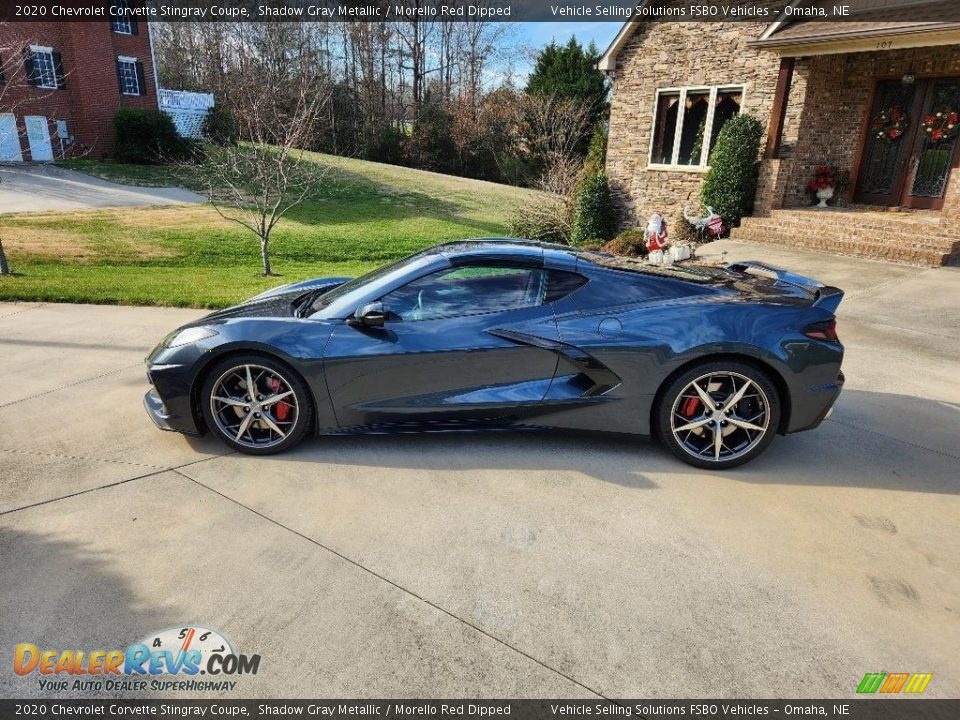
x=929 y=120
x=952 y=118
x=936 y=134
x=893 y=134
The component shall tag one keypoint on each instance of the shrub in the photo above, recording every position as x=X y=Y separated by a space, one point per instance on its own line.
x=592 y=218
x=544 y=220
x=389 y=145
x=632 y=243
x=731 y=183
x=220 y=126
x=147 y=137
x=596 y=159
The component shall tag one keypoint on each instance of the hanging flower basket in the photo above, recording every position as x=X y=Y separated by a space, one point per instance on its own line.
x=890 y=124
x=941 y=125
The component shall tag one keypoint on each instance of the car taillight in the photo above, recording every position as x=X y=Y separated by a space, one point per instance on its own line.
x=823 y=330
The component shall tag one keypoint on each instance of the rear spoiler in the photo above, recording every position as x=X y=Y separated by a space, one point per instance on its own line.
x=825 y=296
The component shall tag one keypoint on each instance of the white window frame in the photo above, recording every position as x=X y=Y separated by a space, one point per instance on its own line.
x=132 y=61
x=37 y=50
x=713 y=91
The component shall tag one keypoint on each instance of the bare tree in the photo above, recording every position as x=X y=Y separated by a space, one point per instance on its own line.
x=259 y=180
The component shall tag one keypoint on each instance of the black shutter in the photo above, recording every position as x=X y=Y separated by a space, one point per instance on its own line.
x=58 y=68
x=134 y=28
x=119 y=78
x=141 y=80
x=28 y=66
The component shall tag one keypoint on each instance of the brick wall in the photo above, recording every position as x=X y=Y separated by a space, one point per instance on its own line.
x=91 y=96
x=675 y=54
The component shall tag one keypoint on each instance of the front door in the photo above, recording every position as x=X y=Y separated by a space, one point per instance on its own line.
x=469 y=344
x=911 y=143
x=38 y=136
x=9 y=139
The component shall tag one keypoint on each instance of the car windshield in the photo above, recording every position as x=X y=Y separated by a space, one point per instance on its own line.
x=328 y=298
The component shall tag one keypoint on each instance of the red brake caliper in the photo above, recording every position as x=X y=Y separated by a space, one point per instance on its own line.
x=282 y=409
x=690 y=407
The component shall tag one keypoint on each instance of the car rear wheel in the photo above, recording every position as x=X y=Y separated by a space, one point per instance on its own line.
x=256 y=404
x=719 y=414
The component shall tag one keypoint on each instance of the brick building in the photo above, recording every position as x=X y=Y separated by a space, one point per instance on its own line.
x=63 y=82
x=821 y=89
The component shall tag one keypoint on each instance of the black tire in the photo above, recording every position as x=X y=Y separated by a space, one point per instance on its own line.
x=271 y=378
x=681 y=406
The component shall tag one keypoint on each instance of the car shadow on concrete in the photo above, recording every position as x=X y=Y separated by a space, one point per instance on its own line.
x=852 y=449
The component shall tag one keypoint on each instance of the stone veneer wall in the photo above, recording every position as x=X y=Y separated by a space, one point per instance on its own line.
x=839 y=90
x=677 y=54
x=826 y=111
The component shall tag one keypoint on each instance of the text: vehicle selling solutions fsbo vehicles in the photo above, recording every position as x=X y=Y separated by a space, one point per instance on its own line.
x=503 y=333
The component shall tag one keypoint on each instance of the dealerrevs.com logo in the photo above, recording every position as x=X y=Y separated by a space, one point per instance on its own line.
x=169 y=660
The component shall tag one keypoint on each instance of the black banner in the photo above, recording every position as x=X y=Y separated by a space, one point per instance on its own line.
x=906 y=11
x=874 y=709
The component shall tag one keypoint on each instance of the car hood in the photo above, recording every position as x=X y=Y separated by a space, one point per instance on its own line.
x=277 y=302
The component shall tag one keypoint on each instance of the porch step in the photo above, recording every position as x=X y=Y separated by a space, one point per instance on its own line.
x=869 y=221
x=870 y=235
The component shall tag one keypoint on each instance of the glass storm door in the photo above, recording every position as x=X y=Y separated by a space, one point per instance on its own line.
x=909 y=148
x=935 y=147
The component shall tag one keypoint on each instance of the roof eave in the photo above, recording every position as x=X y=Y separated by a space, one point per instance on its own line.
x=862 y=41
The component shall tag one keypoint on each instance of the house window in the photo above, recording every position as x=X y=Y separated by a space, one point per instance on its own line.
x=687 y=121
x=119 y=8
x=42 y=68
x=128 y=76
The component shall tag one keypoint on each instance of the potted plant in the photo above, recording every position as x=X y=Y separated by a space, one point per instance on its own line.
x=825 y=182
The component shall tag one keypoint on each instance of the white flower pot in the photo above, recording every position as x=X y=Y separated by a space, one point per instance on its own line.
x=823 y=195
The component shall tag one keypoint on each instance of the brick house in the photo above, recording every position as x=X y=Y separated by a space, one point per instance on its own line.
x=821 y=89
x=64 y=81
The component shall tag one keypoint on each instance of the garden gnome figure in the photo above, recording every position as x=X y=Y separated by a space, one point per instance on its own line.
x=656 y=237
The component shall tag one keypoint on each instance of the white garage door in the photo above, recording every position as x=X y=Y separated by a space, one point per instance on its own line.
x=38 y=136
x=9 y=139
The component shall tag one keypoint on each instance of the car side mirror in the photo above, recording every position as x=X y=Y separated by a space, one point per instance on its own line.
x=370 y=315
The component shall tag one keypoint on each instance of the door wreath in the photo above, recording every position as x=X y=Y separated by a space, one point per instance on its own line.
x=889 y=124
x=942 y=125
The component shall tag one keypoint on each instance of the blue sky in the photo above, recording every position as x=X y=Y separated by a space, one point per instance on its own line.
x=538 y=34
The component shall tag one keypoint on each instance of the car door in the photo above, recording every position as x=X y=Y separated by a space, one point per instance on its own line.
x=469 y=343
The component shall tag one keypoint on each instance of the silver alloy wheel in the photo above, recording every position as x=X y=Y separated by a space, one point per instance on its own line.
x=253 y=405
x=720 y=416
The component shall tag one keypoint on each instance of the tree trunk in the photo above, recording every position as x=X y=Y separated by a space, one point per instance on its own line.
x=265 y=255
x=4 y=267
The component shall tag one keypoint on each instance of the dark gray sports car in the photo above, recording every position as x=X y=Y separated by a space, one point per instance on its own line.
x=494 y=333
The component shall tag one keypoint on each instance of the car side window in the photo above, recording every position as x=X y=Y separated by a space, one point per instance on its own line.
x=561 y=283
x=471 y=290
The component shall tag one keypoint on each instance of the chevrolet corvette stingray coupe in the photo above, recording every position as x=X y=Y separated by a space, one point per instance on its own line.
x=501 y=333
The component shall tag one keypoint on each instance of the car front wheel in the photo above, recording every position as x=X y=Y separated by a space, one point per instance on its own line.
x=719 y=415
x=256 y=404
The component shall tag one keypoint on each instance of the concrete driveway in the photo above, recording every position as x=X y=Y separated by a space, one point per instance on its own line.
x=495 y=565
x=34 y=188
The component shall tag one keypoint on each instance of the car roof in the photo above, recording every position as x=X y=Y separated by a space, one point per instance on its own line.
x=501 y=248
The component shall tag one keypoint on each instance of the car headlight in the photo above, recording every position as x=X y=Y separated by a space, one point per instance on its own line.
x=188 y=335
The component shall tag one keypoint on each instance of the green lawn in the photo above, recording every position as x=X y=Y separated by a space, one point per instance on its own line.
x=189 y=256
